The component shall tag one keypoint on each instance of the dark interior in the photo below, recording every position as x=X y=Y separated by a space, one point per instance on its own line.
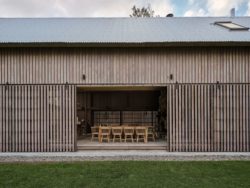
x=111 y=106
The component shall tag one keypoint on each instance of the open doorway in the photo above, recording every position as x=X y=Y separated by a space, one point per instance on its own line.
x=121 y=111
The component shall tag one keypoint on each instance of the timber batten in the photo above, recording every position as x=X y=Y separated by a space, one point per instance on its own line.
x=124 y=66
x=209 y=118
x=37 y=118
x=38 y=93
x=201 y=117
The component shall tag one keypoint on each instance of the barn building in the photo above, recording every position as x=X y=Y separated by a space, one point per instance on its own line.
x=185 y=79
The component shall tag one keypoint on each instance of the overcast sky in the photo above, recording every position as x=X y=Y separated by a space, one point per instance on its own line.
x=120 y=8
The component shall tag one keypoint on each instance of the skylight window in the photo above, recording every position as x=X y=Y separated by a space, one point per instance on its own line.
x=232 y=26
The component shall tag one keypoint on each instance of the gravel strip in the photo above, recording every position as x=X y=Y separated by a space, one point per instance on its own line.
x=120 y=156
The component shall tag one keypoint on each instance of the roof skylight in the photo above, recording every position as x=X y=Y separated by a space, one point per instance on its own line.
x=232 y=26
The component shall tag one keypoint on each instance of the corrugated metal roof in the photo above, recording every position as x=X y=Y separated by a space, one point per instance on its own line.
x=121 y=30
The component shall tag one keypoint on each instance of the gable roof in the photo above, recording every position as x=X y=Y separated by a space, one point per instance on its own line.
x=133 y=31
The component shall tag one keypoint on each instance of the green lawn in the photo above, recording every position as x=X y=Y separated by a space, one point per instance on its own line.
x=127 y=174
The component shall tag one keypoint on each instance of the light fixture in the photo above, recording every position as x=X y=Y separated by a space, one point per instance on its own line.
x=84 y=77
x=171 y=76
x=218 y=84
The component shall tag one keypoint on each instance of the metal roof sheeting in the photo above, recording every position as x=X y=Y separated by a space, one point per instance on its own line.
x=121 y=30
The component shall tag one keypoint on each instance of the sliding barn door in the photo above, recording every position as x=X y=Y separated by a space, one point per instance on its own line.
x=204 y=117
x=37 y=118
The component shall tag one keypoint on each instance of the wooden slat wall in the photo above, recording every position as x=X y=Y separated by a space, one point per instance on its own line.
x=208 y=117
x=124 y=66
x=37 y=118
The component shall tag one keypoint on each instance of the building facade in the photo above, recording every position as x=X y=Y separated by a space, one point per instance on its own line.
x=206 y=82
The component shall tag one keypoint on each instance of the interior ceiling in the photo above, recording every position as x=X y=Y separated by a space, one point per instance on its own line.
x=118 y=88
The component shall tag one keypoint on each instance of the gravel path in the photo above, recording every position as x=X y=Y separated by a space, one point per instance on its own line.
x=120 y=155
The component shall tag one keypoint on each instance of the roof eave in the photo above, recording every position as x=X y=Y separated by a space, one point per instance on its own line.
x=127 y=44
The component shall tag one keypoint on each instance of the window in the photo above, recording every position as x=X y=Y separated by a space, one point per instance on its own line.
x=232 y=26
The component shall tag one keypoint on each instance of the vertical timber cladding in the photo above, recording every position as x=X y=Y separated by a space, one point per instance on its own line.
x=208 y=117
x=37 y=118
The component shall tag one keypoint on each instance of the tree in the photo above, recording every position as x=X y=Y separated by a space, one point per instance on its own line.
x=142 y=12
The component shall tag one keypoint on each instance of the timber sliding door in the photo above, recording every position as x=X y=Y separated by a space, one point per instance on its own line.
x=37 y=118
x=208 y=117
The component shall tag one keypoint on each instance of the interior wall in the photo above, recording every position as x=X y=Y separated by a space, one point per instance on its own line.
x=118 y=107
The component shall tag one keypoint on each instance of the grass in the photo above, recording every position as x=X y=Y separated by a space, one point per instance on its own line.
x=130 y=174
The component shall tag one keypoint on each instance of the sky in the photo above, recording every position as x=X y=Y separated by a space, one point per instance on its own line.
x=120 y=8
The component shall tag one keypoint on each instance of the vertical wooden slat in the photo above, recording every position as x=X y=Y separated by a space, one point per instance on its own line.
x=4 y=118
x=60 y=118
x=193 y=118
x=70 y=123
x=7 y=98
x=177 y=119
x=228 y=116
x=248 y=118
x=44 y=100
x=225 y=122
x=32 y=116
x=234 y=117
x=212 y=116
x=240 y=136
x=203 y=119
x=208 y=118
x=180 y=118
x=41 y=113
x=170 y=107
x=53 y=104
x=196 y=118
x=74 y=126
x=50 y=118
x=57 y=119
x=39 y=123
x=190 y=114
x=215 y=120
x=22 y=118
x=10 y=125
x=66 y=116
x=231 y=116
x=218 y=119
x=237 y=111
x=47 y=99
x=243 y=102
x=187 y=117
x=29 y=118
x=19 y=146
x=200 y=117
x=12 y=116
x=1 y=118
x=222 y=111
x=174 y=118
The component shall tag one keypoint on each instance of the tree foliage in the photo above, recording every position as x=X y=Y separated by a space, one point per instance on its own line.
x=142 y=12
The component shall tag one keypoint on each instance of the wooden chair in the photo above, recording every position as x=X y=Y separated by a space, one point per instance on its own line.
x=141 y=134
x=104 y=133
x=117 y=133
x=94 y=133
x=151 y=133
x=128 y=133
